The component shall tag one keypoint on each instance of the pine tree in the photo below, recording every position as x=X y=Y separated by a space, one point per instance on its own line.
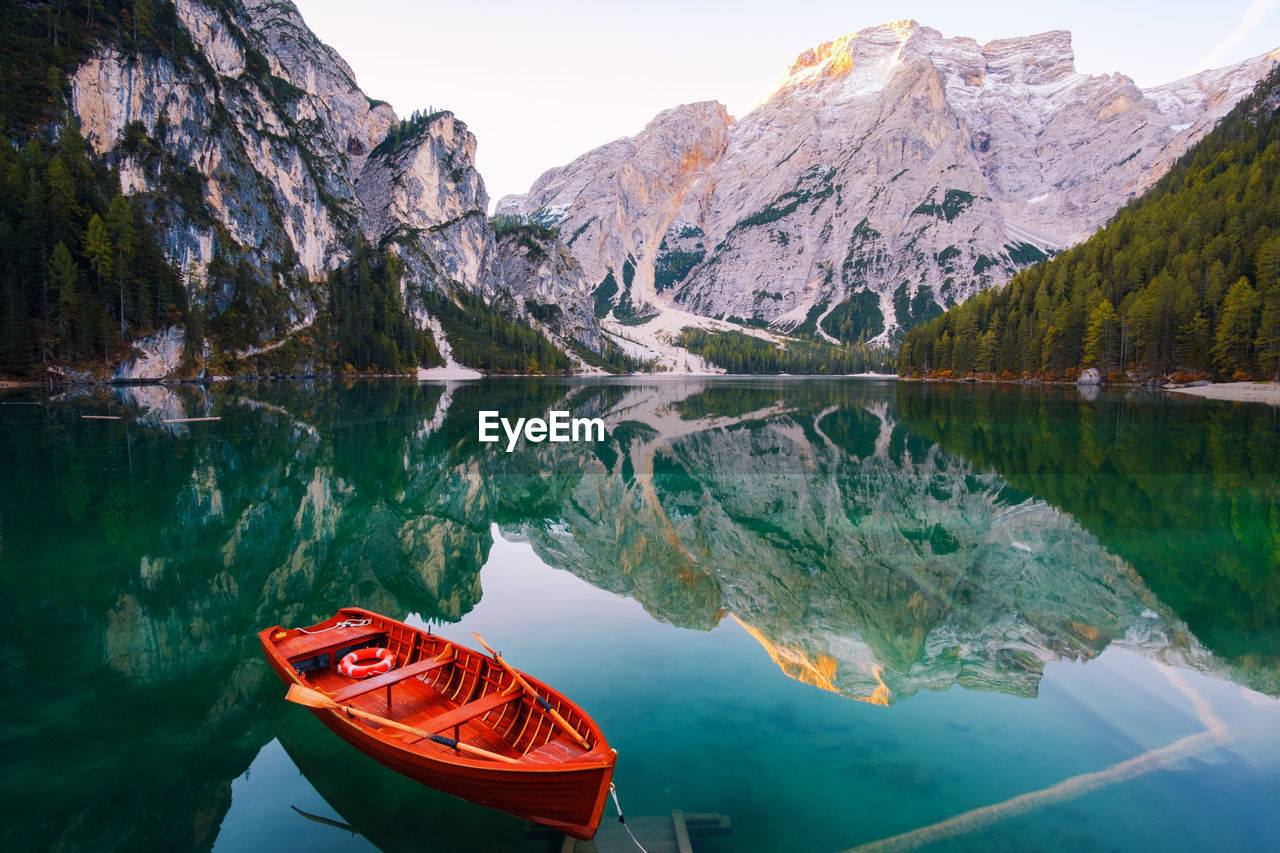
x=124 y=242
x=1102 y=338
x=986 y=360
x=1268 y=341
x=942 y=353
x=1195 y=341
x=62 y=279
x=1050 y=349
x=1237 y=326
x=97 y=248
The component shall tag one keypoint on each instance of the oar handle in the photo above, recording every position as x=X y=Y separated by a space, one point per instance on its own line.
x=543 y=703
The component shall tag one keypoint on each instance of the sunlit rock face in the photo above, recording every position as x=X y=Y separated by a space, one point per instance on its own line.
x=615 y=204
x=890 y=173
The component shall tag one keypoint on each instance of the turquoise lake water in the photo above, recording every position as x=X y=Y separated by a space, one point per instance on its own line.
x=845 y=614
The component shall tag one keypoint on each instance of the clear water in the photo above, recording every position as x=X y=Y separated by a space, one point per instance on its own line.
x=842 y=613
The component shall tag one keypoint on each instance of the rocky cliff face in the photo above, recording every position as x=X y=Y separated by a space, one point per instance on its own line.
x=614 y=205
x=425 y=196
x=548 y=288
x=263 y=124
x=890 y=173
x=252 y=145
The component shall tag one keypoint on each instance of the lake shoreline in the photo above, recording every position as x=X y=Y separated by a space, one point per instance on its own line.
x=1236 y=392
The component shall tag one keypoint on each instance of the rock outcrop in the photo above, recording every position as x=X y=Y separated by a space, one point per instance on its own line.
x=615 y=204
x=425 y=196
x=547 y=287
x=155 y=356
x=891 y=173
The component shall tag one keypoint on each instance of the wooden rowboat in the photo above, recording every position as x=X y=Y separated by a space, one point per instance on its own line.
x=450 y=717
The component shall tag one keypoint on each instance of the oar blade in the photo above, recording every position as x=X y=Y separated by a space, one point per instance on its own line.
x=306 y=696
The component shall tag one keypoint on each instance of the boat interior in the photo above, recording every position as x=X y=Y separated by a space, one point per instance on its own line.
x=435 y=686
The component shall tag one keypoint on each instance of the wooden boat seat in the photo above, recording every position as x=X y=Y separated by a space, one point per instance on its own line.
x=387 y=679
x=304 y=646
x=471 y=710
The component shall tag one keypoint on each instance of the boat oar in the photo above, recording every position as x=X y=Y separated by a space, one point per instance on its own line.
x=546 y=706
x=315 y=699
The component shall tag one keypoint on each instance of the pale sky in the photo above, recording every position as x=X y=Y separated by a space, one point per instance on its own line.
x=541 y=83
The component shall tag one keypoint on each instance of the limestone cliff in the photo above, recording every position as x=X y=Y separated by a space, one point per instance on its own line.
x=249 y=142
x=547 y=287
x=615 y=204
x=263 y=123
x=424 y=195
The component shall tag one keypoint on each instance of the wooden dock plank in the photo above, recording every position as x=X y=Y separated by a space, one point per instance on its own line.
x=681 y=831
x=666 y=834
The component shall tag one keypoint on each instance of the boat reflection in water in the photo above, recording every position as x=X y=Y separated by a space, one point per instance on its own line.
x=391 y=812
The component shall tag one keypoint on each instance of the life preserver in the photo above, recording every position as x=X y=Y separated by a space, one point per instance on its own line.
x=353 y=667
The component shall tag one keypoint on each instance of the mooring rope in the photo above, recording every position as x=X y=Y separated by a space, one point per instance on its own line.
x=347 y=623
x=622 y=820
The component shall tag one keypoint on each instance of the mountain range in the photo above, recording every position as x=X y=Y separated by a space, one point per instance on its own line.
x=310 y=229
x=890 y=174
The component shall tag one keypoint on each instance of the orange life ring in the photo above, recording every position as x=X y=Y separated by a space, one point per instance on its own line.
x=351 y=666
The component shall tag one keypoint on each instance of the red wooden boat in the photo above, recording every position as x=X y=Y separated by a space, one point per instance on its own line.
x=450 y=717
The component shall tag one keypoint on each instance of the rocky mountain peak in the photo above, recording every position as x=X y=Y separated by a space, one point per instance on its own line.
x=891 y=173
x=865 y=61
x=868 y=46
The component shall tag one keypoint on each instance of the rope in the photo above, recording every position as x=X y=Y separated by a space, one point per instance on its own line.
x=622 y=820
x=346 y=623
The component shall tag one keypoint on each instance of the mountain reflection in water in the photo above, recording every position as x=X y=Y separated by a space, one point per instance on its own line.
x=875 y=539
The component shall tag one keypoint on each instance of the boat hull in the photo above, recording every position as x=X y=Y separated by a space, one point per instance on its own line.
x=567 y=796
x=541 y=799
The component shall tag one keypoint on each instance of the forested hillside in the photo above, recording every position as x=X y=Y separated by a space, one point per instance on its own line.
x=80 y=270
x=1184 y=279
